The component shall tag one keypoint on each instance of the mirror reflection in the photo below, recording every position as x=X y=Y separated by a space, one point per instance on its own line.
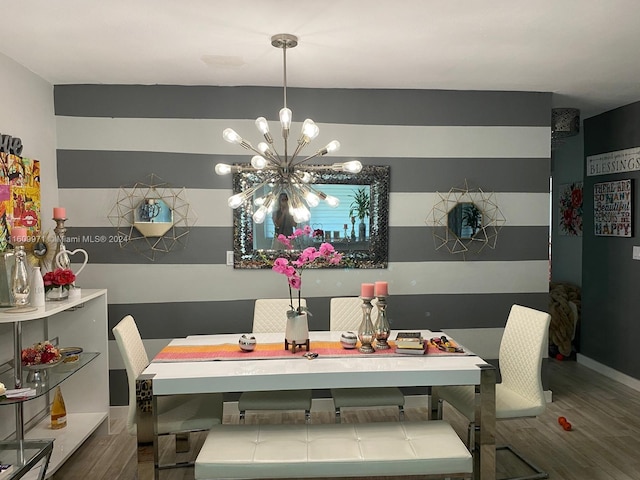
x=464 y=220
x=357 y=227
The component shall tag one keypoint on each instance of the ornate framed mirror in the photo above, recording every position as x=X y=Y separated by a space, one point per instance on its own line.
x=363 y=246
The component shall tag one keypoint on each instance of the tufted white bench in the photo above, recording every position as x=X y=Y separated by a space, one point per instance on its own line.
x=332 y=450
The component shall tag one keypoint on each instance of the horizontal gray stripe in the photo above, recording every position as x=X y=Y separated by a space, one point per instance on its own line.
x=208 y=245
x=412 y=244
x=433 y=312
x=112 y=169
x=350 y=106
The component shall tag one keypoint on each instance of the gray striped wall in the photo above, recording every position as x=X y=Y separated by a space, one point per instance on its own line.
x=109 y=136
x=610 y=277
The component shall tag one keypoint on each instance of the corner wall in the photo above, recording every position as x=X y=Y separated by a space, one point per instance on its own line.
x=610 y=331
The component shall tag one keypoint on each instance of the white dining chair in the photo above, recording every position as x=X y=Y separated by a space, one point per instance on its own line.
x=346 y=315
x=177 y=414
x=520 y=392
x=270 y=316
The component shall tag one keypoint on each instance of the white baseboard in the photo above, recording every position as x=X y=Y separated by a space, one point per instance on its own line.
x=609 y=372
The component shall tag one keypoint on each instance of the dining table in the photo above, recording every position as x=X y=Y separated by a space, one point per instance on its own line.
x=200 y=364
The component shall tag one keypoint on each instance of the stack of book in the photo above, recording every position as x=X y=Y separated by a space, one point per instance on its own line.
x=410 y=343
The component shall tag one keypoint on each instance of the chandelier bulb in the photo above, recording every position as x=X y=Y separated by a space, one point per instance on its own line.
x=236 y=200
x=309 y=129
x=285 y=118
x=311 y=199
x=333 y=146
x=230 y=135
x=263 y=147
x=353 y=166
x=260 y=214
x=258 y=162
x=332 y=201
x=301 y=214
x=263 y=126
x=223 y=169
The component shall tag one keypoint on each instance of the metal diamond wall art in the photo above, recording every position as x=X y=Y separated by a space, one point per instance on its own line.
x=152 y=218
x=465 y=220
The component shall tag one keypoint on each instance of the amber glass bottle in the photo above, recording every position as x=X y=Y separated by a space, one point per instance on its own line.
x=58 y=411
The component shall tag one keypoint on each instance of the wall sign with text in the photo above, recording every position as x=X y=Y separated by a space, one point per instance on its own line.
x=612 y=208
x=614 y=162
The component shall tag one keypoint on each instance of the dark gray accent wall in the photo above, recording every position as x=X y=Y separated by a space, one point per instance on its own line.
x=610 y=331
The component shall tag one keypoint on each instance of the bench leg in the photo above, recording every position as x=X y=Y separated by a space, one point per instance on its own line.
x=307 y=416
x=338 y=419
x=242 y=416
x=400 y=413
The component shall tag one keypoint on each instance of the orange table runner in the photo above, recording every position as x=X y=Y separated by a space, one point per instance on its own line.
x=231 y=351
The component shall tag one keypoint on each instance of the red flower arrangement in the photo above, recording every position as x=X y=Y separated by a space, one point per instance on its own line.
x=40 y=354
x=60 y=277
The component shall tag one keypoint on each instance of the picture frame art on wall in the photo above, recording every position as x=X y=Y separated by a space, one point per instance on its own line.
x=570 y=218
x=612 y=209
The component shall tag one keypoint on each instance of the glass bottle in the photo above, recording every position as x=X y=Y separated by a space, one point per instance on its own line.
x=20 y=278
x=58 y=411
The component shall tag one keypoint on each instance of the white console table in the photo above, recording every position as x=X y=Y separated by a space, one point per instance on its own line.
x=80 y=322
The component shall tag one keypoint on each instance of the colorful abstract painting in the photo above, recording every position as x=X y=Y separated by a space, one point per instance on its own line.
x=19 y=196
x=570 y=222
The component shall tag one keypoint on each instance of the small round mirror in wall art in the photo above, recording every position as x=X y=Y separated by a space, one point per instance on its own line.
x=465 y=220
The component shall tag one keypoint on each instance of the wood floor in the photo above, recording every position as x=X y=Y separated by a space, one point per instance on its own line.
x=604 y=443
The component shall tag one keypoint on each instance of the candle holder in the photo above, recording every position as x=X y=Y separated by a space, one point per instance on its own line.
x=382 y=330
x=366 y=332
x=61 y=258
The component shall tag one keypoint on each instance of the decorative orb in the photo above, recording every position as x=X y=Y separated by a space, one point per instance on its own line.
x=348 y=340
x=247 y=343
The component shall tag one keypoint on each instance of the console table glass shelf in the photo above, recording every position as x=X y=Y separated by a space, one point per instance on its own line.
x=23 y=457
x=85 y=384
x=54 y=377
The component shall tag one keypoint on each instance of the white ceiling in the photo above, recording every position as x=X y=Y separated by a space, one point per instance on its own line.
x=584 y=51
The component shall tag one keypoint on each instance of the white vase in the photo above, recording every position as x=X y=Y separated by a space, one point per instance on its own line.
x=297 y=331
x=36 y=290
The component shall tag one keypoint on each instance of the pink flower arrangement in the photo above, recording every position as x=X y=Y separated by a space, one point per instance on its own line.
x=60 y=277
x=293 y=270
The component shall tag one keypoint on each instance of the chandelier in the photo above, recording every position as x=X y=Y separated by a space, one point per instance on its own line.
x=284 y=172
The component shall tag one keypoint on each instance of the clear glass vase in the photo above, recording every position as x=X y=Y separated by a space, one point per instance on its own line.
x=56 y=294
x=20 y=279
